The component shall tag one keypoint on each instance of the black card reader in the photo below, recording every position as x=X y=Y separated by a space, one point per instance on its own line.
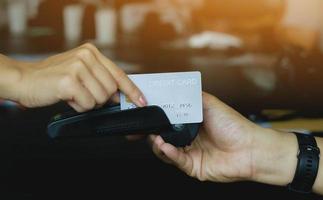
x=112 y=120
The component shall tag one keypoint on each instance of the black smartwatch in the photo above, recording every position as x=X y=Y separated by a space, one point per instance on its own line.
x=307 y=165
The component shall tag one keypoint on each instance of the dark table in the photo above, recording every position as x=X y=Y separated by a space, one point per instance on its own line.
x=32 y=166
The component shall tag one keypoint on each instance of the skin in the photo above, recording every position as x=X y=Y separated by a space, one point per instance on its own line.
x=231 y=148
x=82 y=77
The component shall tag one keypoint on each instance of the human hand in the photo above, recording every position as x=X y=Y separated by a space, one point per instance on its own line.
x=82 y=77
x=231 y=148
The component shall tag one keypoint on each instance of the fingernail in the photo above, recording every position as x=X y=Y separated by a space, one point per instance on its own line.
x=142 y=101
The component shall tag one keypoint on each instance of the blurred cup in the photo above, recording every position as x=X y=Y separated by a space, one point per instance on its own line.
x=73 y=16
x=33 y=6
x=106 y=26
x=17 y=16
x=133 y=16
x=3 y=16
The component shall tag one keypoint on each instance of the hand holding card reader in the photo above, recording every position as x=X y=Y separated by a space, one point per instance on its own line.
x=110 y=121
x=175 y=111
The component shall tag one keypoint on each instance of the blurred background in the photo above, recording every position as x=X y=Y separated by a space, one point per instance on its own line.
x=253 y=54
x=262 y=57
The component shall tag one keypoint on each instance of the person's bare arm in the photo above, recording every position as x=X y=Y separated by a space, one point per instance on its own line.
x=276 y=159
x=82 y=77
x=231 y=148
x=10 y=75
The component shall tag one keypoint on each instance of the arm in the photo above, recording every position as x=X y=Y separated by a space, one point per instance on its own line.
x=9 y=77
x=231 y=148
x=279 y=167
x=82 y=77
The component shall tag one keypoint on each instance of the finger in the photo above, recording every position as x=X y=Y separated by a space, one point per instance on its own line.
x=177 y=157
x=151 y=139
x=209 y=101
x=122 y=80
x=156 y=143
x=84 y=99
x=75 y=106
x=92 y=84
x=126 y=86
x=159 y=141
x=71 y=89
x=102 y=74
x=115 y=98
x=78 y=96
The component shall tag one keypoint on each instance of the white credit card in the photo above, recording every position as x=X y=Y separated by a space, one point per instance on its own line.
x=178 y=94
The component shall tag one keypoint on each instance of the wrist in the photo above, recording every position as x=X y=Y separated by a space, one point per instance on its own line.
x=318 y=184
x=10 y=76
x=274 y=157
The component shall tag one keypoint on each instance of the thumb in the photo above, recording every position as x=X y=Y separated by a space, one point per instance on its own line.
x=176 y=156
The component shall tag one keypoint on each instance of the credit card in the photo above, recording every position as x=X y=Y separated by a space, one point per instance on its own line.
x=178 y=94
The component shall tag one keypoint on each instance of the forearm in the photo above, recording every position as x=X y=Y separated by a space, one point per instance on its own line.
x=9 y=78
x=275 y=159
x=318 y=185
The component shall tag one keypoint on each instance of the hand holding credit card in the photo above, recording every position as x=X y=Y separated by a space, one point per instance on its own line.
x=178 y=94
